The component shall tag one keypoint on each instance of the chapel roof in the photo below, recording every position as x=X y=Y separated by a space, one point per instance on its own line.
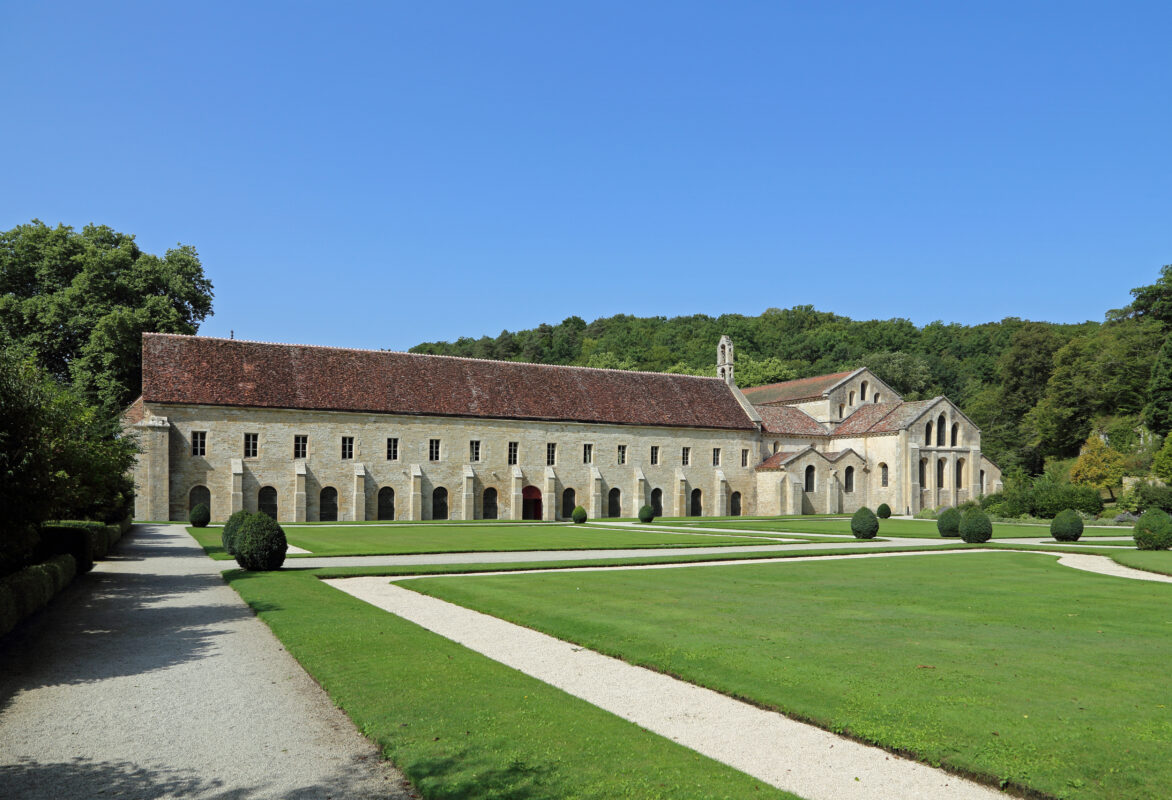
x=789 y=421
x=200 y=370
x=780 y=459
x=792 y=391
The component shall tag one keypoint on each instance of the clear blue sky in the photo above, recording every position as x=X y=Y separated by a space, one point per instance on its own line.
x=381 y=174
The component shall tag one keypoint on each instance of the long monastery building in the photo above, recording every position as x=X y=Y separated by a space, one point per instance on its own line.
x=321 y=433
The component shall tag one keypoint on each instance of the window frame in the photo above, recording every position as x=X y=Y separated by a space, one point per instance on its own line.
x=685 y=456
x=300 y=445
x=251 y=445
x=655 y=455
x=513 y=453
x=551 y=454
x=744 y=457
x=434 y=450
x=621 y=455
x=347 y=448
x=588 y=452
x=392 y=448
x=474 y=451
x=716 y=456
x=199 y=443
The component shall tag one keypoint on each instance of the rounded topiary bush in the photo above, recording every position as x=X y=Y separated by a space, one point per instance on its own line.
x=228 y=535
x=948 y=523
x=883 y=511
x=200 y=516
x=578 y=515
x=864 y=524
x=260 y=543
x=975 y=526
x=1067 y=526
x=646 y=514
x=1153 y=530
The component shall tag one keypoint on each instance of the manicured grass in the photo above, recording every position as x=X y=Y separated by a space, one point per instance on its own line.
x=460 y=725
x=1003 y=665
x=1150 y=560
x=913 y=528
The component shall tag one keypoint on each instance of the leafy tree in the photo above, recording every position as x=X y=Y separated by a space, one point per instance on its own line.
x=906 y=373
x=1162 y=463
x=1098 y=466
x=81 y=301
x=1153 y=301
x=1157 y=414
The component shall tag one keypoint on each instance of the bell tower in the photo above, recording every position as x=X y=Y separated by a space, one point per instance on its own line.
x=724 y=361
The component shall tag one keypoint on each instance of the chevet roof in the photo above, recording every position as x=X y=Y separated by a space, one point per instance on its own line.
x=201 y=370
x=792 y=391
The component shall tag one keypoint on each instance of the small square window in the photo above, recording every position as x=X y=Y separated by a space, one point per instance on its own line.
x=551 y=454
x=587 y=453
x=744 y=458
x=392 y=448
x=250 y=445
x=622 y=457
x=716 y=456
x=300 y=445
x=512 y=453
x=474 y=450
x=199 y=443
x=686 y=456
x=347 y=447
x=433 y=450
x=654 y=454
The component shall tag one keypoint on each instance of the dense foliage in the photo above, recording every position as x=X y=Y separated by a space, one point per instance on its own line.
x=948 y=523
x=864 y=524
x=1037 y=390
x=260 y=543
x=1042 y=496
x=884 y=511
x=81 y=301
x=646 y=514
x=1153 y=530
x=578 y=515
x=228 y=533
x=1067 y=526
x=975 y=526
x=200 y=516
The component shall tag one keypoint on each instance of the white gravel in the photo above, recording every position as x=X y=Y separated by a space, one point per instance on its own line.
x=150 y=678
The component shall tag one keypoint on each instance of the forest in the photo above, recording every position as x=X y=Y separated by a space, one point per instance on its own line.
x=1037 y=390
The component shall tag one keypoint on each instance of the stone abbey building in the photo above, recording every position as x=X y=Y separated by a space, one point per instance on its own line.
x=320 y=433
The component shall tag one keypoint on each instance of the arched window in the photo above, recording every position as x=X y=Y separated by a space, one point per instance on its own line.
x=734 y=504
x=940 y=473
x=386 y=503
x=810 y=478
x=776 y=446
x=327 y=505
x=439 y=503
x=488 y=504
x=840 y=409
x=850 y=399
x=940 y=423
x=863 y=393
x=199 y=495
x=959 y=478
x=657 y=502
x=982 y=481
x=923 y=472
x=883 y=475
x=876 y=397
x=697 y=506
x=928 y=435
x=266 y=501
x=614 y=503
x=848 y=480
x=955 y=433
x=569 y=500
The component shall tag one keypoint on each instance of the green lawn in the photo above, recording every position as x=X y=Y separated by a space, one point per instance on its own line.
x=460 y=725
x=1150 y=560
x=915 y=528
x=366 y=540
x=1003 y=665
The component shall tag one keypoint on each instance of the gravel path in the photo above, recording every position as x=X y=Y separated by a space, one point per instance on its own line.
x=150 y=678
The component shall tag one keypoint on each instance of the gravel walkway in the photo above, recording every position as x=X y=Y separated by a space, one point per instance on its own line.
x=150 y=678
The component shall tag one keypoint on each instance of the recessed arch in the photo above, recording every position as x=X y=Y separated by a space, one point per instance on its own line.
x=923 y=472
x=696 y=507
x=488 y=508
x=955 y=438
x=657 y=502
x=940 y=463
x=928 y=434
x=439 y=503
x=883 y=475
x=810 y=473
x=959 y=473
x=569 y=501
x=327 y=504
x=863 y=393
x=386 y=503
x=850 y=398
x=940 y=425
x=734 y=504
x=848 y=479
x=199 y=495
x=266 y=501
x=841 y=408
x=614 y=502
x=531 y=507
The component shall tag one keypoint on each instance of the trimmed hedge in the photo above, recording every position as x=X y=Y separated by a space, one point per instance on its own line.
x=85 y=541
x=1153 y=530
x=975 y=526
x=883 y=511
x=864 y=524
x=228 y=535
x=948 y=523
x=260 y=543
x=200 y=516
x=30 y=589
x=579 y=515
x=1067 y=526
x=646 y=514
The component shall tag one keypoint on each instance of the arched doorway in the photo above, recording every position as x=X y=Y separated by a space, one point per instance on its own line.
x=266 y=501
x=569 y=500
x=327 y=505
x=386 y=503
x=489 y=505
x=614 y=503
x=734 y=504
x=531 y=503
x=810 y=478
x=199 y=495
x=439 y=503
x=657 y=502
x=696 y=507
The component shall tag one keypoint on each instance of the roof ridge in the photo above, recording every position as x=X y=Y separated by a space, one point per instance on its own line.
x=436 y=355
x=807 y=378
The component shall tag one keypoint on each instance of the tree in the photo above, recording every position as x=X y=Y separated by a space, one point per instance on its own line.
x=1098 y=466
x=81 y=302
x=1162 y=463
x=906 y=373
x=1153 y=301
x=1157 y=413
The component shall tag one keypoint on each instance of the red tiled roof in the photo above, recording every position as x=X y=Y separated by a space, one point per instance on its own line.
x=133 y=413
x=776 y=460
x=789 y=421
x=791 y=391
x=903 y=416
x=201 y=370
x=864 y=418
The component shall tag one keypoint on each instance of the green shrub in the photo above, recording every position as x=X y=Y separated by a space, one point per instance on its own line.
x=1149 y=495
x=883 y=511
x=949 y=522
x=646 y=514
x=1153 y=530
x=260 y=543
x=9 y=614
x=1067 y=526
x=75 y=538
x=113 y=534
x=998 y=510
x=228 y=535
x=23 y=592
x=925 y=513
x=864 y=524
x=975 y=526
x=19 y=546
x=578 y=515
x=200 y=516
x=987 y=500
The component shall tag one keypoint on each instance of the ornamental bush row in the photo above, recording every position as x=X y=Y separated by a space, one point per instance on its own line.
x=259 y=543
x=31 y=588
x=1153 y=530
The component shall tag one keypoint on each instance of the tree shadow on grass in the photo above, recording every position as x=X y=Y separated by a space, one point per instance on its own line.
x=451 y=778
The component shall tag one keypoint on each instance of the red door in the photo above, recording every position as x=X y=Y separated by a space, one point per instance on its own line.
x=531 y=503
